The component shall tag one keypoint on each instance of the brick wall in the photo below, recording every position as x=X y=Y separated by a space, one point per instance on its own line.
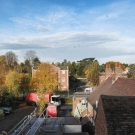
x=101 y=78
x=118 y=70
x=108 y=71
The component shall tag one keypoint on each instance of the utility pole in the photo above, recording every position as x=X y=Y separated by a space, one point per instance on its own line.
x=68 y=80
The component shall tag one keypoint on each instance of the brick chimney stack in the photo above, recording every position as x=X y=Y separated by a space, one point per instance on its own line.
x=108 y=71
x=118 y=70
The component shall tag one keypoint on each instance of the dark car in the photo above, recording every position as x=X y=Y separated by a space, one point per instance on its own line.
x=6 y=110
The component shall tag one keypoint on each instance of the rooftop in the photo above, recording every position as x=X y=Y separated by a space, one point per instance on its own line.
x=102 y=88
x=115 y=115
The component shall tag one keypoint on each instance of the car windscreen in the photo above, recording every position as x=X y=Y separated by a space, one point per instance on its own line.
x=56 y=99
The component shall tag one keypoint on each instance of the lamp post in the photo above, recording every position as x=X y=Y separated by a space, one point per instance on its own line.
x=68 y=80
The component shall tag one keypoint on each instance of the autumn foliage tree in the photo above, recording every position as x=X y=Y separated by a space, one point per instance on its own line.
x=91 y=73
x=3 y=71
x=12 y=83
x=45 y=79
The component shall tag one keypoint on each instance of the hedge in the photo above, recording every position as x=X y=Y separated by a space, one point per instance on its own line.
x=66 y=100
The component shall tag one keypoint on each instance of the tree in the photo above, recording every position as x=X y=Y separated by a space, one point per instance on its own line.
x=102 y=68
x=26 y=67
x=3 y=70
x=36 y=62
x=12 y=83
x=92 y=73
x=11 y=59
x=24 y=81
x=131 y=73
x=30 y=56
x=83 y=65
x=73 y=69
x=45 y=79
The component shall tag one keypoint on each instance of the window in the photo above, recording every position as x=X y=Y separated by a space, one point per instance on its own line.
x=63 y=71
x=56 y=99
x=63 y=79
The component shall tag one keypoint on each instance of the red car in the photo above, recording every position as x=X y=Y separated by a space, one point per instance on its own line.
x=52 y=111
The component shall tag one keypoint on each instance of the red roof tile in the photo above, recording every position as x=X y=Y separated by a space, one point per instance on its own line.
x=102 y=88
x=122 y=87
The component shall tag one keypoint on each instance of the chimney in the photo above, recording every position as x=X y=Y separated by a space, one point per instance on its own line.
x=118 y=70
x=108 y=71
x=107 y=66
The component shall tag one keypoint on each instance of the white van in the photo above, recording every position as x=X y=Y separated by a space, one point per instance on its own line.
x=90 y=89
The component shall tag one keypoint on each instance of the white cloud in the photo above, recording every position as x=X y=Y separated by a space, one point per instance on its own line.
x=129 y=59
x=99 y=32
x=61 y=40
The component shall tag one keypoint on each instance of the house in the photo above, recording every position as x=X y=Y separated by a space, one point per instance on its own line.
x=117 y=72
x=120 y=87
x=115 y=115
x=63 y=77
x=117 y=89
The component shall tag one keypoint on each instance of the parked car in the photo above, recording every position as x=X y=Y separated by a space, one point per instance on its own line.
x=7 y=110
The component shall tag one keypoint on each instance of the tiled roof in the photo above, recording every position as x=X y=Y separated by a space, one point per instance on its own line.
x=122 y=87
x=115 y=115
x=102 y=88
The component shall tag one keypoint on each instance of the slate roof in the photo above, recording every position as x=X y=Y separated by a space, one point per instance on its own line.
x=87 y=126
x=102 y=88
x=115 y=115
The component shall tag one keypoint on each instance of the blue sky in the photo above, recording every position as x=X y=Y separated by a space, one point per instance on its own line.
x=69 y=29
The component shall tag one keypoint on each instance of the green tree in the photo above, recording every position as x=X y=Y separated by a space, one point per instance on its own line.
x=24 y=81
x=36 y=62
x=73 y=69
x=102 y=68
x=83 y=65
x=131 y=73
x=27 y=67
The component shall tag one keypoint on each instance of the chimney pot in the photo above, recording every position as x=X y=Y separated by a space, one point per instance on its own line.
x=107 y=66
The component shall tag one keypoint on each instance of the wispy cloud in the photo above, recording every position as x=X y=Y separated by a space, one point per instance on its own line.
x=60 y=40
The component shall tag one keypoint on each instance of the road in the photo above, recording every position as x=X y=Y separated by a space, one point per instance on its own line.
x=65 y=111
x=12 y=119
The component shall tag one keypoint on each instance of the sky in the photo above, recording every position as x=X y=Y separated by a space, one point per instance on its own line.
x=69 y=29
